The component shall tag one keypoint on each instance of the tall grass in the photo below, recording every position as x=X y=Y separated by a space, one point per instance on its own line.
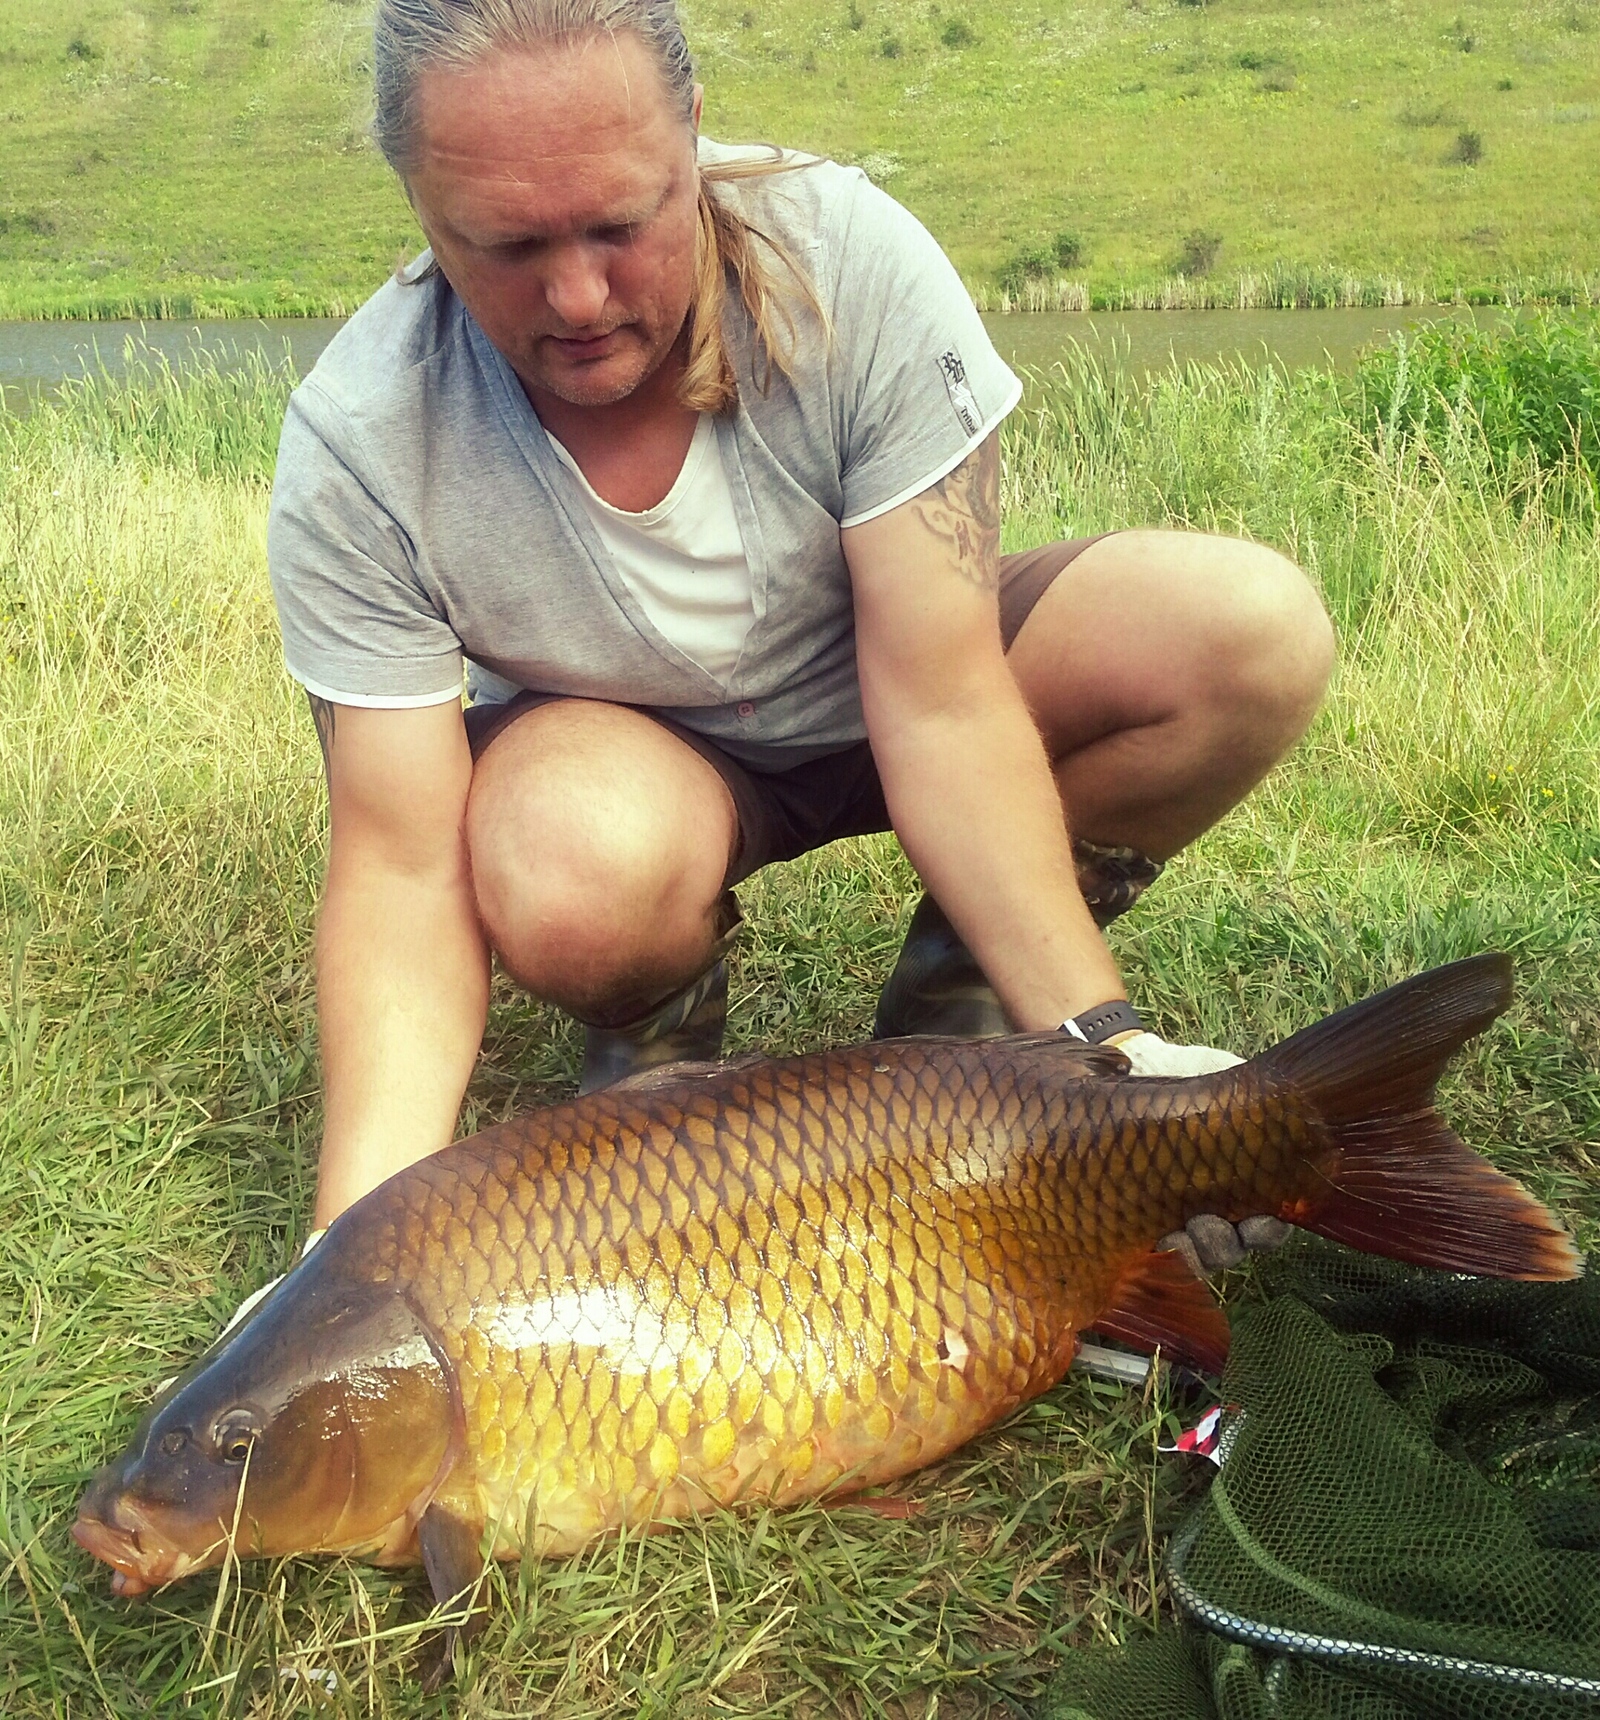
x=160 y=850
x=1530 y=401
x=1283 y=287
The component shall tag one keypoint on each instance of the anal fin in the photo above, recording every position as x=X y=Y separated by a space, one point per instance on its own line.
x=1158 y=1302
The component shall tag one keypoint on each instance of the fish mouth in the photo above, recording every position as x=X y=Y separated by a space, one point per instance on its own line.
x=139 y=1560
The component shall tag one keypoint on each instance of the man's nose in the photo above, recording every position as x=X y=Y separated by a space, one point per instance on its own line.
x=576 y=286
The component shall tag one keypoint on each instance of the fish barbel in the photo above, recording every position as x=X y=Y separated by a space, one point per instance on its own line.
x=780 y=1280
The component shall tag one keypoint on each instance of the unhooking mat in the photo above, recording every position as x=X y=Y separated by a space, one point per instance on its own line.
x=1406 y=1525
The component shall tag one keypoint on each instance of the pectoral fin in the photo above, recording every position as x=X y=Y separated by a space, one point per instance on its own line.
x=454 y=1565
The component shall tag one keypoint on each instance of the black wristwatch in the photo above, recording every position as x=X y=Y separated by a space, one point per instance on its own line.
x=1095 y=1026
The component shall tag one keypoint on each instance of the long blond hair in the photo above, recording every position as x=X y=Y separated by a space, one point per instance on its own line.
x=411 y=37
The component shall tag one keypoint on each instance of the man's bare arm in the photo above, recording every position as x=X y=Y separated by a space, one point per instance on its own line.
x=960 y=516
x=324 y=716
x=402 y=968
x=964 y=771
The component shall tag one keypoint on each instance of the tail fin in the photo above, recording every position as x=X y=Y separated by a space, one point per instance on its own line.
x=1403 y=1184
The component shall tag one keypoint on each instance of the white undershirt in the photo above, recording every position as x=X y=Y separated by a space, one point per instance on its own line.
x=683 y=559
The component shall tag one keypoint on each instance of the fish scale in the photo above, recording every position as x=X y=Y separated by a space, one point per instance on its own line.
x=835 y=1267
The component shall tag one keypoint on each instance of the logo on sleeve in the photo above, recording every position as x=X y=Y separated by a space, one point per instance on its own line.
x=962 y=398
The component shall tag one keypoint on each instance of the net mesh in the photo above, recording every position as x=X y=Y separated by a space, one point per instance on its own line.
x=1407 y=1523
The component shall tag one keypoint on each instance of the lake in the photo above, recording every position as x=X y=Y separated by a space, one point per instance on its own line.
x=36 y=355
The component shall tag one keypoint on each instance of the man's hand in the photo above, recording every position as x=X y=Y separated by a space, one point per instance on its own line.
x=1210 y=1244
x=1150 y=1054
x=1207 y=1243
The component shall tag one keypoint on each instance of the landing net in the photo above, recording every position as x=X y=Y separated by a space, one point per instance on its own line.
x=1407 y=1522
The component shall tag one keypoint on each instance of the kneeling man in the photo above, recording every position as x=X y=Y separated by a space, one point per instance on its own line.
x=688 y=457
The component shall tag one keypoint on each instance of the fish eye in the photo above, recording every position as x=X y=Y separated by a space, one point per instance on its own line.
x=174 y=1442
x=235 y=1433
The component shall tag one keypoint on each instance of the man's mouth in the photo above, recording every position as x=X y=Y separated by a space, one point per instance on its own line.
x=583 y=346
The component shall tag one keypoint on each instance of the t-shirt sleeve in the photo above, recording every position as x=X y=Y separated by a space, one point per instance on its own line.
x=919 y=384
x=358 y=628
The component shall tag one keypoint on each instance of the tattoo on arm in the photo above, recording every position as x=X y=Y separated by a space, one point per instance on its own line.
x=322 y=716
x=963 y=511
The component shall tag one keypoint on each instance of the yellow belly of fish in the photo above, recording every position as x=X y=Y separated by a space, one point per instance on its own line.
x=730 y=1376
x=777 y=1396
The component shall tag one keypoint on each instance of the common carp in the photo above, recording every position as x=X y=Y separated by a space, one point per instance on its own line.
x=780 y=1280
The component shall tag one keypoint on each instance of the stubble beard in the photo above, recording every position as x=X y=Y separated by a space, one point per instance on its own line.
x=577 y=389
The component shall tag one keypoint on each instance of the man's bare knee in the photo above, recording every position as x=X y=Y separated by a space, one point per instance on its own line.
x=1270 y=650
x=596 y=879
x=596 y=923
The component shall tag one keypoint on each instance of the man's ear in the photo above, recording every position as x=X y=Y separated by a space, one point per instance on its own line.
x=699 y=104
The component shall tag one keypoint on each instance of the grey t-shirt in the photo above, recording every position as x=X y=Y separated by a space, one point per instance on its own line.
x=421 y=521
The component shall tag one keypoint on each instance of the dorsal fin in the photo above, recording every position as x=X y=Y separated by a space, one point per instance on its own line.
x=1157 y=1301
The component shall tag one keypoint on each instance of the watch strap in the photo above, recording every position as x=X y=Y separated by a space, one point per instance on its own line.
x=1103 y=1022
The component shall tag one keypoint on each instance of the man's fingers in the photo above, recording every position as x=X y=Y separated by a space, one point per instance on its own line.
x=1210 y=1244
x=1215 y=1241
x=1178 y=1243
x=1263 y=1232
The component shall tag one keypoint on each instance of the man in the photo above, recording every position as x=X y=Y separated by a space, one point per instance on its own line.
x=696 y=464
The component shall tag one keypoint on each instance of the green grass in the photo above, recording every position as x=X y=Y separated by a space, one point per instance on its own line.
x=189 y=157
x=160 y=849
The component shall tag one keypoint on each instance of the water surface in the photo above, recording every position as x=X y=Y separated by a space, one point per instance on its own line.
x=1143 y=341
x=35 y=355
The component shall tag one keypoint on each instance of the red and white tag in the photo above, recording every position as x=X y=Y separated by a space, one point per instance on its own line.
x=1211 y=1436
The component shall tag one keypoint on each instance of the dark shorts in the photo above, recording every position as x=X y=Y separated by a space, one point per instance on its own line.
x=786 y=813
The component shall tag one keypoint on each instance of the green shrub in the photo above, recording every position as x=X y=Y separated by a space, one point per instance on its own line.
x=30 y=221
x=1042 y=262
x=957 y=33
x=1532 y=387
x=1070 y=251
x=1029 y=263
x=1199 y=255
x=1467 y=150
x=1417 y=116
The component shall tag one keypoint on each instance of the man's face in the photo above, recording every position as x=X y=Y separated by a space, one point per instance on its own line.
x=557 y=188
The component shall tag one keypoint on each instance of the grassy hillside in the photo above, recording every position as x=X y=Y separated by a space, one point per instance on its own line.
x=209 y=155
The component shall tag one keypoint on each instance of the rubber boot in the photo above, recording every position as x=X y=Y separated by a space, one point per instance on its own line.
x=685 y=1026
x=937 y=985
